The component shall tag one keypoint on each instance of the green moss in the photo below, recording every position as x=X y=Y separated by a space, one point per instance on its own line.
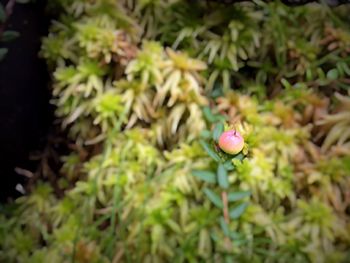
x=140 y=118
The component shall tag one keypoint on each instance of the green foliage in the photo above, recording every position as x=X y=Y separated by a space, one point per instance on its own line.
x=7 y=35
x=144 y=89
x=3 y=52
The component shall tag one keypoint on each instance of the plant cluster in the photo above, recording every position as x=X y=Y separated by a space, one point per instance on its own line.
x=146 y=89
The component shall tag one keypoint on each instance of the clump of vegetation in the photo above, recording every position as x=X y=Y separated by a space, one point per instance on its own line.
x=146 y=89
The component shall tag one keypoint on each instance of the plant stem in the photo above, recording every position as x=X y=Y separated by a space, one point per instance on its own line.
x=118 y=256
x=225 y=208
x=224 y=198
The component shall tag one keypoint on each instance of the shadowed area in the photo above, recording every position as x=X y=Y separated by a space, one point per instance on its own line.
x=24 y=106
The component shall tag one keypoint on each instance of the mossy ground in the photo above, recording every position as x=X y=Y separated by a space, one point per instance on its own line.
x=144 y=88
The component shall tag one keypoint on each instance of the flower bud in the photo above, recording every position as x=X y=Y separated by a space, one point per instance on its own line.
x=231 y=142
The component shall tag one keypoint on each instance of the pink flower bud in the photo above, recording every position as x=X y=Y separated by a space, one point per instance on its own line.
x=231 y=142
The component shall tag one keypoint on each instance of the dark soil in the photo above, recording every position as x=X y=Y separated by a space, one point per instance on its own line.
x=25 y=113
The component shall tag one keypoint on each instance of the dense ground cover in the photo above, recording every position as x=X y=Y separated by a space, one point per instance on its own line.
x=145 y=88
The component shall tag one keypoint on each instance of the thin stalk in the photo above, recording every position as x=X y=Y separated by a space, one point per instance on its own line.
x=224 y=198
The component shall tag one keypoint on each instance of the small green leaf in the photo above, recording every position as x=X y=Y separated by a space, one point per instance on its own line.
x=344 y=86
x=210 y=117
x=224 y=227
x=229 y=165
x=9 y=36
x=239 y=242
x=238 y=210
x=220 y=117
x=214 y=236
x=206 y=176
x=308 y=74
x=332 y=74
x=210 y=151
x=238 y=195
x=235 y=235
x=229 y=259
x=340 y=69
x=208 y=114
x=218 y=130
x=345 y=67
x=2 y=14
x=222 y=176
x=239 y=156
x=3 y=52
x=205 y=134
x=217 y=91
x=286 y=84
x=321 y=74
x=213 y=197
